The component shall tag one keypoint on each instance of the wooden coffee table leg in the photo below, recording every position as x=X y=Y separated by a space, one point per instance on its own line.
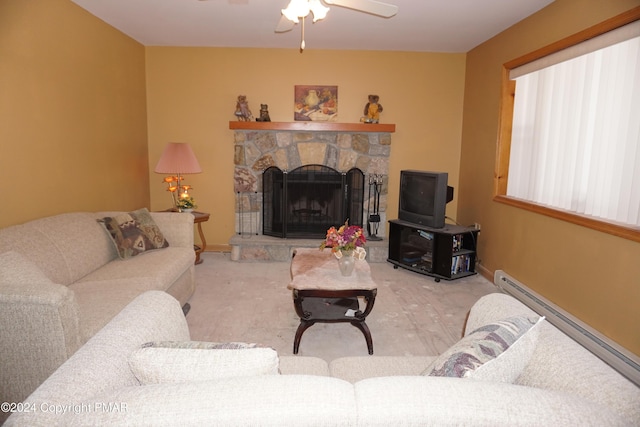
x=365 y=331
x=303 y=326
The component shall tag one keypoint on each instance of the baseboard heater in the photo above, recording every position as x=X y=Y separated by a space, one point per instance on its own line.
x=611 y=353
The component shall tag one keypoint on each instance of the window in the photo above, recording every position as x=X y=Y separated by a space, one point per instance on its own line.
x=570 y=129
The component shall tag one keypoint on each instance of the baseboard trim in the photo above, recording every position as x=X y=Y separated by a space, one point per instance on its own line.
x=218 y=248
x=485 y=272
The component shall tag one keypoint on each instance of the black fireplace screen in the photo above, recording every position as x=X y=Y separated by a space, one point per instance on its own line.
x=305 y=202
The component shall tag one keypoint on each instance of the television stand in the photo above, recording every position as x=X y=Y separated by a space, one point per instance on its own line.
x=444 y=253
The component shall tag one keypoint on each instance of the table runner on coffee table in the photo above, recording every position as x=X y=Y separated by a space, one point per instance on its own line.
x=318 y=269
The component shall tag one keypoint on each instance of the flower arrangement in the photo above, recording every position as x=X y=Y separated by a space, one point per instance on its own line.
x=346 y=238
x=186 y=203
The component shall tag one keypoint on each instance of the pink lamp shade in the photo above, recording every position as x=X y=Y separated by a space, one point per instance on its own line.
x=178 y=158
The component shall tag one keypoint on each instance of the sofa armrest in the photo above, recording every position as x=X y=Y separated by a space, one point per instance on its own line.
x=494 y=307
x=456 y=401
x=176 y=227
x=101 y=365
x=560 y=363
x=38 y=326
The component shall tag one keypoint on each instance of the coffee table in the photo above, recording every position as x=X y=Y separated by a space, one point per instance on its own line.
x=322 y=294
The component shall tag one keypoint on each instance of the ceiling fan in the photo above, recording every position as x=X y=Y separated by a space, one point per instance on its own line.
x=299 y=9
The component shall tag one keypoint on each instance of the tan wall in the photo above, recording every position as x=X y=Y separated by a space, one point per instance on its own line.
x=192 y=94
x=593 y=275
x=73 y=134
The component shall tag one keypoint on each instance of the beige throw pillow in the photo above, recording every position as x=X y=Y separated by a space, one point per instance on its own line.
x=175 y=362
x=495 y=352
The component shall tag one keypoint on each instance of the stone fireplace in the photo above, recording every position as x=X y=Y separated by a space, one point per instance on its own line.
x=287 y=148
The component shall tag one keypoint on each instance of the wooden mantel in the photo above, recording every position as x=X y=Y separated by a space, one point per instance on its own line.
x=314 y=126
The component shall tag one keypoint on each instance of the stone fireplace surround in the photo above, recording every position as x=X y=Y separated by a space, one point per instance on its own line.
x=258 y=146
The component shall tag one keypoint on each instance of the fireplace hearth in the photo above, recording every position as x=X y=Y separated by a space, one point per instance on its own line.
x=305 y=202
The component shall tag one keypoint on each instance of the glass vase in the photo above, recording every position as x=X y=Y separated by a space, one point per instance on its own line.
x=347 y=263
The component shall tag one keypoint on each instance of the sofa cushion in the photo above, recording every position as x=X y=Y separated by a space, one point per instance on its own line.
x=134 y=233
x=498 y=351
x=107 y=290
x=356 y=368
x=266 y=400
x=65 y=247
x=435 y=401
x=99 y=301
x=160 y=268
x=303 y=365
x=174 y=362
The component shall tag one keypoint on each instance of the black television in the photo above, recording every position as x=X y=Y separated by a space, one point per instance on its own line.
x=423 y=197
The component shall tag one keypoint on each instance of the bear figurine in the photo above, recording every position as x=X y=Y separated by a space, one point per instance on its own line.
x=372 y=110
x=264 y=114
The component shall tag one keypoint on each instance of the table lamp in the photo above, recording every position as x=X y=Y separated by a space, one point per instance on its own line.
x=177 y=159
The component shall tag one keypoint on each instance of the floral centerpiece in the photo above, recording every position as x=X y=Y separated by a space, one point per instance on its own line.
x=347 y=238
x=186 y=204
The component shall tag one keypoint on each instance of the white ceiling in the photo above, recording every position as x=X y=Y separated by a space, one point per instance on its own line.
x=420 y=25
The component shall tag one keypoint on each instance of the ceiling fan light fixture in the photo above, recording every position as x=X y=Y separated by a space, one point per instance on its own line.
x=300 y=9
x=296 y=9
x=318 y=9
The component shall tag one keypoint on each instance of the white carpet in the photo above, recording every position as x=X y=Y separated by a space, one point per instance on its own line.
x=250 y=302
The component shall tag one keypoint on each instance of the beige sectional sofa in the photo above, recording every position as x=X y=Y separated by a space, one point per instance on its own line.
x=61 y=281
x=562 y=384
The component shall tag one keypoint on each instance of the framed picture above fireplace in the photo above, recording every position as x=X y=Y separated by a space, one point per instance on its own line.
x=316 y=103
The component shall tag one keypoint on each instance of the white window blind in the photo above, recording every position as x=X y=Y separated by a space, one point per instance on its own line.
x=575 y=141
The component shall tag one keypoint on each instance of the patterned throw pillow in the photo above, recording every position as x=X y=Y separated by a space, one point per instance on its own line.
x=134 y=233
x=185 y=361
x=495 y=352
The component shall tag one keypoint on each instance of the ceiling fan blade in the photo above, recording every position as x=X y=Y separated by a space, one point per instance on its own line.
x=369 y=6
x=284 y=25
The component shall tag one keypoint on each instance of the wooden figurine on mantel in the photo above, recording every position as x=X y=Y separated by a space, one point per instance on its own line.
x=243 y=113
x=372 y=110
x=264 y=114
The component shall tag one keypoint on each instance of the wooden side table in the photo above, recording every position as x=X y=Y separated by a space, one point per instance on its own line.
x=199 y=218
